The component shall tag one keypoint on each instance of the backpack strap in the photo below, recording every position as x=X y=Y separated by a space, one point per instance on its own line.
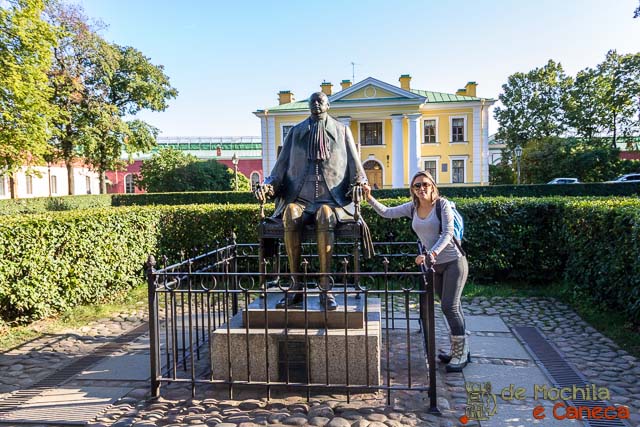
x=439 y=215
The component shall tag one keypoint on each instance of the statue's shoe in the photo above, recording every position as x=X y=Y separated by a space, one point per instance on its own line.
x=291 y=300
x=329 y=301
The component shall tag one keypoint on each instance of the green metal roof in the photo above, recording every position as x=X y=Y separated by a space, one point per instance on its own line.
x=436 y=97
x=432 y=98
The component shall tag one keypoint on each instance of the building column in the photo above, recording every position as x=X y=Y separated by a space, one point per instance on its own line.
x=476 y=159
x=485 y=144
x=346 y=120
x=268 y=128
x=413 y=160
x=397 y=150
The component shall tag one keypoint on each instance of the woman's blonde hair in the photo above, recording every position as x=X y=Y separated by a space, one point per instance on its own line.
x=435 y=193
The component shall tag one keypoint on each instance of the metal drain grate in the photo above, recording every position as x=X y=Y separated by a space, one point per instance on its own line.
x=561 y=372
x=19 y=397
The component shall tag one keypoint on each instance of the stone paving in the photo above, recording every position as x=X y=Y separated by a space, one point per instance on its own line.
x=498 y=357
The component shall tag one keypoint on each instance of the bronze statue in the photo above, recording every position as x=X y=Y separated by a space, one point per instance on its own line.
x=311 y=180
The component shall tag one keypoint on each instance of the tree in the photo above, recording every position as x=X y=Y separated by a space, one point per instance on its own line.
x=209 y=175
x=25 y=113
x=549 y=158
x=620 y=77
x=157 y=173
x=171 y=170
x=133 y=85
x=587 y=105
x=636 y=13
x=533 y=105
x=78 y=59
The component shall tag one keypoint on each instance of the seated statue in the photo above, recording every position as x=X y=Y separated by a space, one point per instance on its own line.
x=310 y=181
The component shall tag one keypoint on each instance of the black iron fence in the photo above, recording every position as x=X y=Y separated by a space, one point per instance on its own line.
x=212 y=321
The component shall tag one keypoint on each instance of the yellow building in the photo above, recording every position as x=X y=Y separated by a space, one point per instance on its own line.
x=398 y=130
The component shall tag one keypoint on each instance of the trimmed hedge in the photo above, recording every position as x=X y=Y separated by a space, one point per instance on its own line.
x=52 y=261
x=58 y=203
x=46 y=204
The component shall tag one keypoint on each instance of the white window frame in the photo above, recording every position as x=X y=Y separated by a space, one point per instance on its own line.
x=466 y=161
x=424 y=119
x=431 y=159
x=360 y=123
x=29 y=184
x=133 y=183
x=53 y=183
x=466 y=129
x=3 y=185
x=282 y=126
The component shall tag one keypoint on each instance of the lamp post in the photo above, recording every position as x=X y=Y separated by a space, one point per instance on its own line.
x=235 y=160
x=518 y=151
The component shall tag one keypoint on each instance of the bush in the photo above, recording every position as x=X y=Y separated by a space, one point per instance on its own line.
x=58 y=203
x=186 y=198
x=52 y=261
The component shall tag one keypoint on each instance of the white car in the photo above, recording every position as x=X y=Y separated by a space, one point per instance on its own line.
x=564 y=181
x=630 y=177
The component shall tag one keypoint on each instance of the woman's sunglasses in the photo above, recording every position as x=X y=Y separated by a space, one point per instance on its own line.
x=419 y=185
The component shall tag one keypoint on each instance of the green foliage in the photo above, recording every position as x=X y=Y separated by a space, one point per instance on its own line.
x=183 y=198
x=172 y=170
x=45 y=204
x=502 y=173
x=602 y=242
x=541 y=106
x=553 y=157
x=156 y=174
x=25 y=56
x=533 y=105
x=53 y=261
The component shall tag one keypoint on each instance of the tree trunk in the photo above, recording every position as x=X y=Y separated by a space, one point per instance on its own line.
x=103 y=182
x=615 y=126
x=13 y=187
x=70 y=177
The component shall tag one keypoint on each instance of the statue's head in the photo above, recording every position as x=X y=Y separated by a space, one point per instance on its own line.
x=318 y=103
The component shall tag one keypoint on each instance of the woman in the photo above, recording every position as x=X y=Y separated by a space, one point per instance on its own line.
x=450 y=264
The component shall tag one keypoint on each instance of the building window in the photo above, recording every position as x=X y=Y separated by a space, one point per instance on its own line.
x=430 y=132
x=3 y=191
x=371 y=133
x=29 y=184
x=255 y=180
x=457 y=130
x=457 y=171
x=431 y=166
x=129 y=184
x=87 y=181
x=285 y=131
x=53 y=184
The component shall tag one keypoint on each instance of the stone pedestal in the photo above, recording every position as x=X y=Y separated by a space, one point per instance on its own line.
x=350 y=314
x=261 y=354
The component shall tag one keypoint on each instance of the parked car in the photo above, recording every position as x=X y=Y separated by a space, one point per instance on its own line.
x=564 y=181
x=630 y=177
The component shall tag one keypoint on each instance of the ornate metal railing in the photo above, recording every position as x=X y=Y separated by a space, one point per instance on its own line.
x=211 y=322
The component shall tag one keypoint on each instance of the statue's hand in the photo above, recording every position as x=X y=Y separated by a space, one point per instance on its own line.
x=366 y=191
x=263 y=192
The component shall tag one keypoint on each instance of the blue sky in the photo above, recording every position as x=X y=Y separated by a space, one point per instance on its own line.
x=230 y=58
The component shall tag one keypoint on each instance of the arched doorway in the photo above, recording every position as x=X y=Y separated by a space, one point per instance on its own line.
x=373 y=169
x=255 y=180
